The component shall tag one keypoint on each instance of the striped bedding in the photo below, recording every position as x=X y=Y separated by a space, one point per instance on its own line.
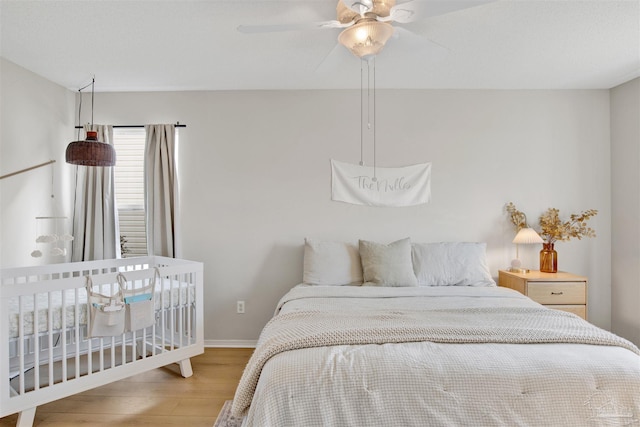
x=362 y=356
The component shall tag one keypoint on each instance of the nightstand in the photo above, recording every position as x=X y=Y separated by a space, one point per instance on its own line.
x=562 y=291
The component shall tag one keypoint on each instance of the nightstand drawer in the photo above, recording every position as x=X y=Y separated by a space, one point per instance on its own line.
x=558 y=292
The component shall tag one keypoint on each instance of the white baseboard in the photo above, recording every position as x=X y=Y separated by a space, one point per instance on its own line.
x=231 y=343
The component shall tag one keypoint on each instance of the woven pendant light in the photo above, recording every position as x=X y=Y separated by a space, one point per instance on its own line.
x=90 y=151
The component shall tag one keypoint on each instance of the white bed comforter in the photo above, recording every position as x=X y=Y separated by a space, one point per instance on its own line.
x=354 y=356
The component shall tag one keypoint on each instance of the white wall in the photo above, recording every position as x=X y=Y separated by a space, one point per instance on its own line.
x=36 y=124
x=625 y=195
x=255 y=179
x=255 y=176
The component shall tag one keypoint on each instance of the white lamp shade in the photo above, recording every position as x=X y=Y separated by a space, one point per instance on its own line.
x=527 y=236
x=366 y=38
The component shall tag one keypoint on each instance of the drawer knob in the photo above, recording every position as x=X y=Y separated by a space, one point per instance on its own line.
x=557 y=293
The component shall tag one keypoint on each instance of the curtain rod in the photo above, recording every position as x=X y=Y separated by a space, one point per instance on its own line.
x=178 y=125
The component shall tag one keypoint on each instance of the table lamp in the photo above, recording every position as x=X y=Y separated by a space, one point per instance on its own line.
x=526 y=236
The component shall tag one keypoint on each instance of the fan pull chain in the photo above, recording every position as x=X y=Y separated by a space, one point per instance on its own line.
x=361 y=116
x=375 y=178
x=369 y=95
x=371 y=103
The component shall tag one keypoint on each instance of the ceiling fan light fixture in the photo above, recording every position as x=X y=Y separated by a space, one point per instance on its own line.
x=382 y=8
x=366 y=38
x=344 y=14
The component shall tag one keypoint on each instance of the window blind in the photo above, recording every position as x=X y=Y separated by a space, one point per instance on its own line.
x=129 y=187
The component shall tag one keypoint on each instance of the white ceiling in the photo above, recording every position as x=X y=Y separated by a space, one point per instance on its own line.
x=195 y=45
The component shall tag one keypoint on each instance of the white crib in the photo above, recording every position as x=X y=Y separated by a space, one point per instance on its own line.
x=45 y=351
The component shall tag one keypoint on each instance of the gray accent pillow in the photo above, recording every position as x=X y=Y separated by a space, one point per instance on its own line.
x=331 y=263
x=387 y=265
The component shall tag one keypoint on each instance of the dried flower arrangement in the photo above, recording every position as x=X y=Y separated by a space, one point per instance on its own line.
x=552 y=228
x=519 y=219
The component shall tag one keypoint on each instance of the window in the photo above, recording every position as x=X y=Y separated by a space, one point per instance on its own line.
x=129 y=187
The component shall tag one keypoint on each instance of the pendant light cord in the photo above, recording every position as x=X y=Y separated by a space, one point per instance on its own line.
x=93 y=84
x=75 y=193
x=52 y=182
x=79 y=113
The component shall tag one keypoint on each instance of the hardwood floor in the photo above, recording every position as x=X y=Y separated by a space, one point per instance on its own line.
x=160 y=397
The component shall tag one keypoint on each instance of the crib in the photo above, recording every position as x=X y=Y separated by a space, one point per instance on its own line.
x=48 y=345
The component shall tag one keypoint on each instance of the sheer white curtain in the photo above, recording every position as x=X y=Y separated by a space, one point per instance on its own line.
x=161 y=191
x=95 y=217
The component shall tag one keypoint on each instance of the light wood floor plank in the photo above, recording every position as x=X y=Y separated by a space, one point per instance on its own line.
x=160 y=397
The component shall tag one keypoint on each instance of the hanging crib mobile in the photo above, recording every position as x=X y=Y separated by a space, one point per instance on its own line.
x=51 y=234
x=53 y=243
x=49 y=241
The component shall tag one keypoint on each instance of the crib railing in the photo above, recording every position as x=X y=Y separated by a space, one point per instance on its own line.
x=47 y=351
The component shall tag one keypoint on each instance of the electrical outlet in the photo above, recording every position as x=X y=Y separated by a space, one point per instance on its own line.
x=240 y=307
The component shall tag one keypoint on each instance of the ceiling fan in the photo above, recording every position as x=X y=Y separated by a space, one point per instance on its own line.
x=366 y=24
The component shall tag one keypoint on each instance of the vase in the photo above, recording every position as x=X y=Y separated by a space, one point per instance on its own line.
x=548 y=259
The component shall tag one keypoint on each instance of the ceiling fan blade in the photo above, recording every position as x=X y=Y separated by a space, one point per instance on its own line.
x=406 y=39
x=329 y=61
x=401 y=13
x=413 y=10
x=253 y=29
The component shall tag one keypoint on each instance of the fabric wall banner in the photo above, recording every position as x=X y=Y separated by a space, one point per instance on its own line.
x=404 y=186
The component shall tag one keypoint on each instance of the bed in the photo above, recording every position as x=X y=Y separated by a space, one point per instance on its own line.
x=56 y=344
x=424 y=337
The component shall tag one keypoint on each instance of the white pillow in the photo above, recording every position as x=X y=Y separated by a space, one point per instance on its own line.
x=387 y=265
x=331 y=263
x=451 y=264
